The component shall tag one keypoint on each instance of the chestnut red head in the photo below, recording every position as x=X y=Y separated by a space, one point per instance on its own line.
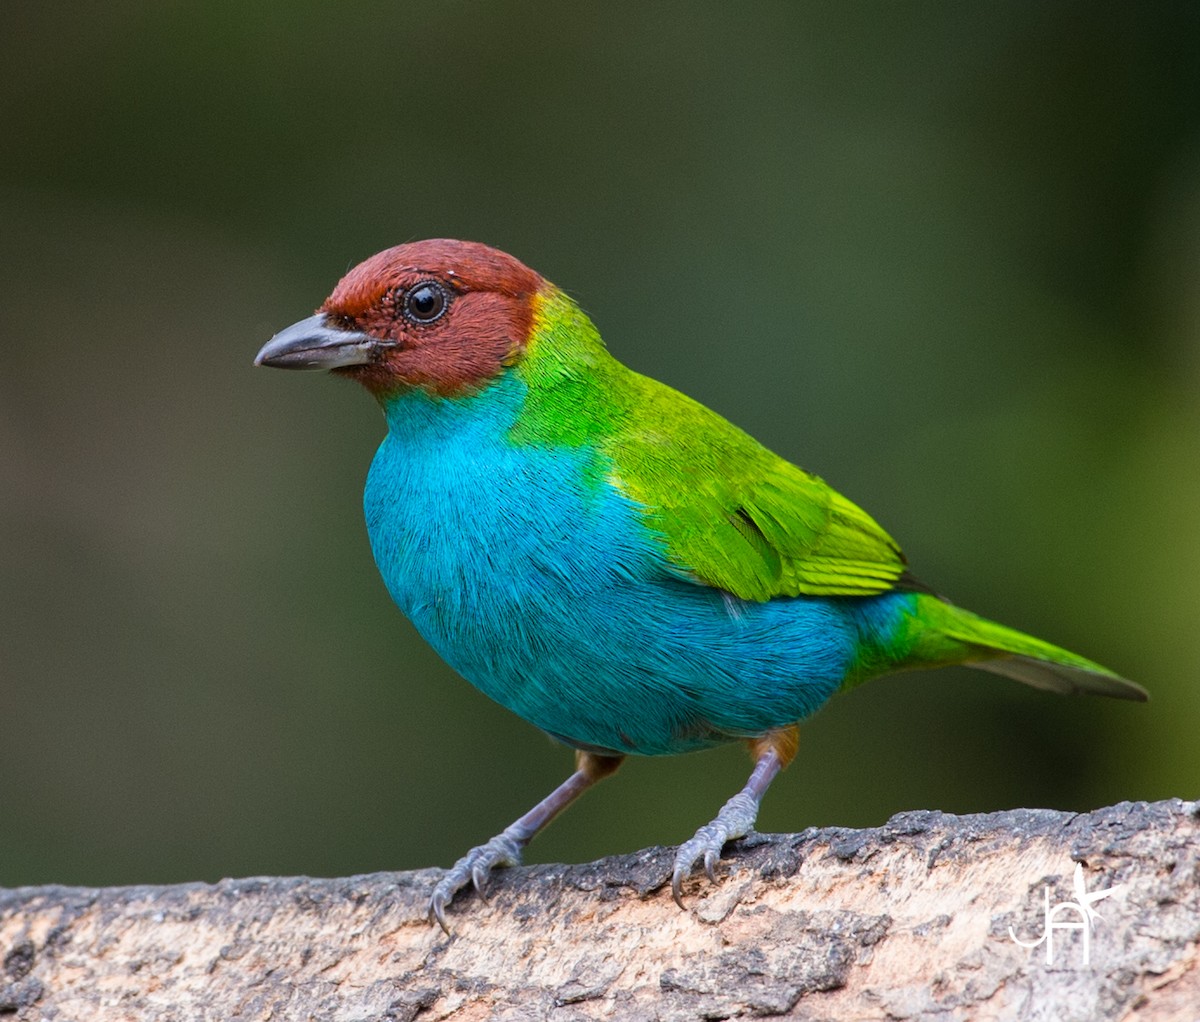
x=443 y=315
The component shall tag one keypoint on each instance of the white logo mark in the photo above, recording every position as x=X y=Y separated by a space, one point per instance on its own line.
x=1084 y=913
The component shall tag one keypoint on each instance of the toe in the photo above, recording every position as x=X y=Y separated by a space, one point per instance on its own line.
x=474 y=868
x=705 y=846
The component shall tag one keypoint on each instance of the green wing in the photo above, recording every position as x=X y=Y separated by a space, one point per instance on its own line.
x=738 y=517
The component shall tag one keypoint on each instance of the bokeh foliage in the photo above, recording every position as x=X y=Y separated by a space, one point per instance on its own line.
x=943 y=254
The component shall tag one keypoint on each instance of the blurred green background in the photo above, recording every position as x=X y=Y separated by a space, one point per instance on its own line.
x=945 y=255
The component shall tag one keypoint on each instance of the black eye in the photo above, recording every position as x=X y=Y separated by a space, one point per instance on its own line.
x=426 y=302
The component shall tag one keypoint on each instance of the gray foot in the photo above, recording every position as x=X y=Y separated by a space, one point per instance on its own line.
x=736 y=819
x=475 y=866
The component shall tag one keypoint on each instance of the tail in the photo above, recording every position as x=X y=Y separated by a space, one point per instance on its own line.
x=953 y=635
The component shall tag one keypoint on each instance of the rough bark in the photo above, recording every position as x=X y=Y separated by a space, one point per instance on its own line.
x=907 y=921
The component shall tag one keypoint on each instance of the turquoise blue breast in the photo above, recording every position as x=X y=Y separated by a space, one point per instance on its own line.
x=544 y=588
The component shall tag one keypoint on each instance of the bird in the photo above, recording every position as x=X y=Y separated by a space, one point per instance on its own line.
x=604 y=556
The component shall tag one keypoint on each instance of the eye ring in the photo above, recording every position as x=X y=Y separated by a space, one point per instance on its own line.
x=425 y=303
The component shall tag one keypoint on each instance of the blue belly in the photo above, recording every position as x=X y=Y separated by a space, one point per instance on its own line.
x=538 y=581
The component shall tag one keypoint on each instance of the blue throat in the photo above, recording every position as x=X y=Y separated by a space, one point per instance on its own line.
x=548 y=592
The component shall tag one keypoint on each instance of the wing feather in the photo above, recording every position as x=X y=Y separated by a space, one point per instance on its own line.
x=736 y=516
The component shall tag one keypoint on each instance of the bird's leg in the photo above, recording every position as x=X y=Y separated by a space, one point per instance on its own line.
x=506 y=847
x=772 y=752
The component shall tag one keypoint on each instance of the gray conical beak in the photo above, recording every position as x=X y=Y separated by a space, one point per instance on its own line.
x=314 y=343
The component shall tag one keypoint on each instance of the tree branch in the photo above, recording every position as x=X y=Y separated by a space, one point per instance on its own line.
x=907 y=921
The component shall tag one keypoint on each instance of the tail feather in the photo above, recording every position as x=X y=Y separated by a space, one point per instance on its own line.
x=1000 y=650
x=1063 y=678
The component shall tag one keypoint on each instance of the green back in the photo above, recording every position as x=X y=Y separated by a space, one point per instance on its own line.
x=732 y=514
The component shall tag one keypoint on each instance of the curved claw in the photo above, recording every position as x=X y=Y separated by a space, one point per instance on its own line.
x=473 y=868
x=479 y=875
x=680 y=874
x=710 y=862
x=437 y=911
x=676 y=892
